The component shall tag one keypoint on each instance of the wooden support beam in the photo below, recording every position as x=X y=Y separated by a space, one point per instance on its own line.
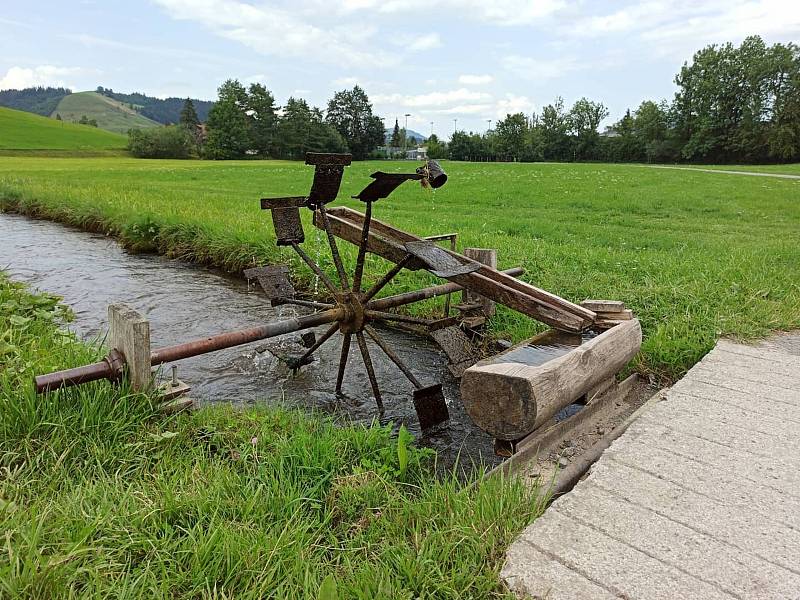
x=509 y=400
x=488 y=257
x=129 y=333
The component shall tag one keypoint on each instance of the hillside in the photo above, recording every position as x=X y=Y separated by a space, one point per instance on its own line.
x=163 y=110
x=27 y=132
x=38 y=100
x=109 y=113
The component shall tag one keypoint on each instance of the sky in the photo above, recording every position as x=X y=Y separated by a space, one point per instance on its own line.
x=447 y=63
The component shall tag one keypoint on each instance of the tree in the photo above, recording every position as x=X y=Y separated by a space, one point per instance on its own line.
x=262 y=118
x=189 y=117
x=436 y=147
x=301 y=129
x=395 y=141
x=554 y=127
x=512 y=137
x=228 y=131
x=350 y=113
x=584 y=119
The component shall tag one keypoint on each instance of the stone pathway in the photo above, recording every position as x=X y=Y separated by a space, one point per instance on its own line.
x=753 y=173
x=698 y=499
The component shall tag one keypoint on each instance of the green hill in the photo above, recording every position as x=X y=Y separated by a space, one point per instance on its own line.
x=110 y=114
x=26 y=133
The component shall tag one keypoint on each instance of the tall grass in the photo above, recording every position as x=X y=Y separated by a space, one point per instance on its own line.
x=103 y=496
x=695 y=255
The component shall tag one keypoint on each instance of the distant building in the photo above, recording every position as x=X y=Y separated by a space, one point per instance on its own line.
x=418 y=153
x=609 y=132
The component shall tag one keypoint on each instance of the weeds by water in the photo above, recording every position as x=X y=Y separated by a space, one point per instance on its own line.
x=102 y=496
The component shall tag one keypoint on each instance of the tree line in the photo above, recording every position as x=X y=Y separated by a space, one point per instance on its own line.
x=246 y=122
x=733 y=104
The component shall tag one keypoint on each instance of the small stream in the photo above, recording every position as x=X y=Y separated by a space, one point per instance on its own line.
x=184 y=301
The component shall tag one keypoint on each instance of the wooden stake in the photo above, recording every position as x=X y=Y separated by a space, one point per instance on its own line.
x=488 y=257
x=130 y=335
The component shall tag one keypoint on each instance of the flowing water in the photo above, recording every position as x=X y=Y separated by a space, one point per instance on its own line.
x=184 y=302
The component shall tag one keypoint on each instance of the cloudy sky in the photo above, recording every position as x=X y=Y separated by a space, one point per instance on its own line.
x=439 y=60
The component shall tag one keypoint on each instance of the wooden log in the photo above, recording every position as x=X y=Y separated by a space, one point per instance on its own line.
x=129 y=333
x=510 y=400
x=488 y=257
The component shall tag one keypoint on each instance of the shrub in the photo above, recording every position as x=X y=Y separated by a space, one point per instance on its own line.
x=172 y=141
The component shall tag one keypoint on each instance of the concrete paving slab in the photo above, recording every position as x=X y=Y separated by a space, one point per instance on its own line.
x=700 y=498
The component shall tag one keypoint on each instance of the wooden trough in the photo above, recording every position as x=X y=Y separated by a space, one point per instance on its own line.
x=517 y=391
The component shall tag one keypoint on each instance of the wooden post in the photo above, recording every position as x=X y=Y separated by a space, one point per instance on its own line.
x=488 y=257
x=130 y=334
x=509 y=400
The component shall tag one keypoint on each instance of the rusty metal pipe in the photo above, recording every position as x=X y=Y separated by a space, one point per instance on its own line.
x=425 y=293
x=110 y=368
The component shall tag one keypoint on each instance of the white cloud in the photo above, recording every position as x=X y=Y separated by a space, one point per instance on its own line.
x=433 y=99
x=513 y=104
x=528 y=67
x=288 y=32
x=345 y=82
x=425 y=42
x=475 y=79
x=497 y=12
x=21 y=77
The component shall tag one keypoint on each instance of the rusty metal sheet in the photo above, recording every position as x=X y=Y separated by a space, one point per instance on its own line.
x=460 y=351
x=274 y=279
x=384 y=184
x=288 y=227
x=438 y=261
x=431 y=406
x=328 y=171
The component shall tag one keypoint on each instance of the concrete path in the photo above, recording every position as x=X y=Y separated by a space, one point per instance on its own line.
x=699 y=499
x=753 y=173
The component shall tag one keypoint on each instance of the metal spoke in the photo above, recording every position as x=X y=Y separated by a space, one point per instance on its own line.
x=392 y=356
x=298 y=302
x=343 y=361
x=315 y=267
x=388 y=316
x=386 y=278
x=362 y=345
x=337 y=260
x=362 y=248
x=325 y=337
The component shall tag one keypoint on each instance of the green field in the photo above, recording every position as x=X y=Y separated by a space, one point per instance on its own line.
x=22 y=132
x=102 y=496
x=793 y=169
x=109 y=113
x=695 y=255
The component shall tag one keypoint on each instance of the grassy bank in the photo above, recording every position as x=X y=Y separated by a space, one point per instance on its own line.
x=101 y=496
x=696 y=255
x=25 y=133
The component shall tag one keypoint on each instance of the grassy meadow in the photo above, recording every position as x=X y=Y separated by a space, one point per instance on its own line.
x=102 y=496
x=26 y=133
x=695 y=255
x=791 y=169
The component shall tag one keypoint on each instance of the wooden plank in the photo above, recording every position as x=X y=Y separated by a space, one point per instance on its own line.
x=509 y=400
x=129 y=333
x=604 y=305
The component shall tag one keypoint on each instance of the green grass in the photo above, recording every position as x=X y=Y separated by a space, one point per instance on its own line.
x=695 y=255
x=102 y=496
x=793 y=169
x=109 y=113
x=26 y=133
